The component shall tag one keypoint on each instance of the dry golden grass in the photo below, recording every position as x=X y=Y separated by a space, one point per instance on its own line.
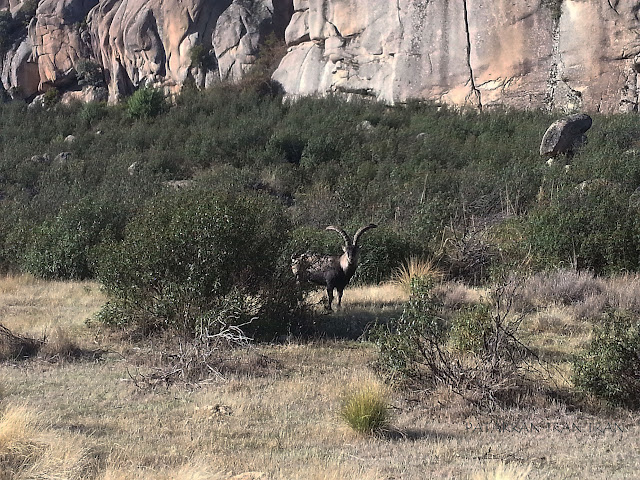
x=16 y=428
x=283 y=423
x=416 y=268
x=35 y=308
x=28 y=451
x=368 y=296
x=503 y=471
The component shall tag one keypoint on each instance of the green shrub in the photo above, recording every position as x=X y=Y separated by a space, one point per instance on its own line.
x=61 y=248
x=420 y=329
x=423 y=350
x=200 y=57
x=190 y=255
x=610 y=367
x=92 y=112
x=89 y=73
x=13 y=27
x=316 y=240
x=589 y=226
x=6 y=28
x=146 y=102
x=26 y=13
x=471 y=327
x=366 y=410
x=383 y=251
x=51 y=97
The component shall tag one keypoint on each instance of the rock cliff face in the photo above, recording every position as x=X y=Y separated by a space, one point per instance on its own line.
x=555 y=54
x=138 y=42
x=566 y=54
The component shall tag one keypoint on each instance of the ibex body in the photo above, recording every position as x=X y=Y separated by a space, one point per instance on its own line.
x=332 y=271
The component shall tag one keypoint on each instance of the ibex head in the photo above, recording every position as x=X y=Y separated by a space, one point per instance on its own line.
x=350 y=249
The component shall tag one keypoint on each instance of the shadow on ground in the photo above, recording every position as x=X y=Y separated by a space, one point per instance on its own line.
x=354 y=323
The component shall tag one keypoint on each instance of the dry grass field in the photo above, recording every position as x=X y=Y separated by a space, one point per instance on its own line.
x=86 y=416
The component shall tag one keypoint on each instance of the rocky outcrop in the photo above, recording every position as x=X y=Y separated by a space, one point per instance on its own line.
x=556 y=54
x=140 y=42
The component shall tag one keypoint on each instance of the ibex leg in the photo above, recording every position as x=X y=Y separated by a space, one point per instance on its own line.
x=330 y=295
x=339 y=297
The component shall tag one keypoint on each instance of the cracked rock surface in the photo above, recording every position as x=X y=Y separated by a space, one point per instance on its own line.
x=557 y=54
x=566 y=55
x=137 y=42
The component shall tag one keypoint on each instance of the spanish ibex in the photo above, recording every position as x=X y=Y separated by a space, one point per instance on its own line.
x=334 y=271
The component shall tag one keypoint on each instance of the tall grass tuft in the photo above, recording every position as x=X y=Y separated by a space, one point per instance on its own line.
x=503 y=471
x=366 y=410
x=28 y=451
x=416 y=268
x=17 y=431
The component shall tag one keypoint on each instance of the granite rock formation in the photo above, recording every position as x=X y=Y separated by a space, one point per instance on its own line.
x=563 y=55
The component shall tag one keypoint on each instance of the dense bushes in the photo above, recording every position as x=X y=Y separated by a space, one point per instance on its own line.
x=195 y=261
x=610 y=367
x=589 y=225
x=458 y=186
x=62 y=247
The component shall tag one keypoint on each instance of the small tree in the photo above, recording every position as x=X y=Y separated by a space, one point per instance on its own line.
x=51 y=97
x=146 y=103
x=89 y=73
x=201 y=57
x=6 y=30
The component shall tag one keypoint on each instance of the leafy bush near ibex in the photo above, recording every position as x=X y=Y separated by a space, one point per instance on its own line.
x=478 y=355
x=196 y=262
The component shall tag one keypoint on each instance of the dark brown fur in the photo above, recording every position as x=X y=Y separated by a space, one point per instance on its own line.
x=333 y=271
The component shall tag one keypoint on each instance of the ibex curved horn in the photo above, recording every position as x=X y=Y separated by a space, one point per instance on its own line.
x=347 y=239
x=356 y=237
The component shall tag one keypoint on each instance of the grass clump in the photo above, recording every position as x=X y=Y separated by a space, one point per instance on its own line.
x=415 y=268
x=366 y=410
x=29 y=451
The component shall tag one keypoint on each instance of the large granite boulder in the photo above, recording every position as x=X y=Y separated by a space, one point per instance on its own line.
x=566 y=135
x=138 y=42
